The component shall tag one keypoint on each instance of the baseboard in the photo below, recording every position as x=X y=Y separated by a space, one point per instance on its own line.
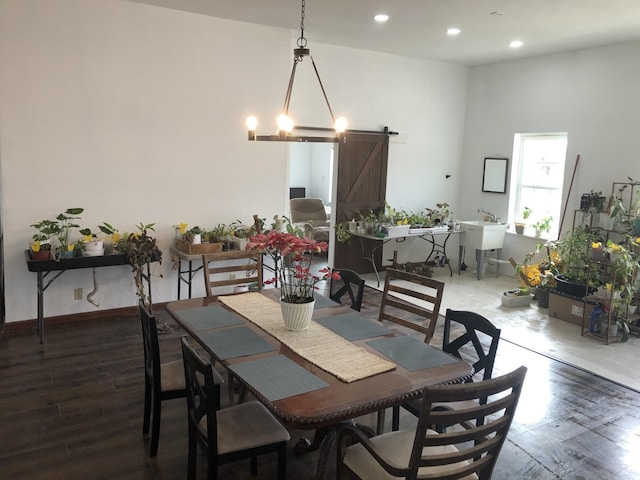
x=29 y=326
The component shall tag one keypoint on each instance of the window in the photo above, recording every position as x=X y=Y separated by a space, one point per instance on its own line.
x=537 y=177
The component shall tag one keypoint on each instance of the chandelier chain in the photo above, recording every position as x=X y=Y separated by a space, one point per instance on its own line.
x=302 y=42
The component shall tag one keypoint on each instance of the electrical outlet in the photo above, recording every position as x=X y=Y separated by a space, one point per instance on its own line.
x=77 y=293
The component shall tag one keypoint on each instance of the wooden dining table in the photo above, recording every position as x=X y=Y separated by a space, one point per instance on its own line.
x=301 y=394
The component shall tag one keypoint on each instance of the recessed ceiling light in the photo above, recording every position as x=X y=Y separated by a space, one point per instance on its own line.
x=381 y=17
x=516 y=44
x=453 y=31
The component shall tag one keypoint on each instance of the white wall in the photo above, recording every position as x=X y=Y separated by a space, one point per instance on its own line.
x=591 y=94
x=136 y=113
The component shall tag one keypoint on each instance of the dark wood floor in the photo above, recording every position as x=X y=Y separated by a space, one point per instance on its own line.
x=72 y=409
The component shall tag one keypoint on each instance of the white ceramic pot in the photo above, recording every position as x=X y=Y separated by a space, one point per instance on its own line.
x=297 y=316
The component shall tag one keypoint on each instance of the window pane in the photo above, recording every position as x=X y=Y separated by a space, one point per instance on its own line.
x=541 y=165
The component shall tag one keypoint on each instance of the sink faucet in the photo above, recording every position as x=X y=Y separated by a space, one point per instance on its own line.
x=494 y=219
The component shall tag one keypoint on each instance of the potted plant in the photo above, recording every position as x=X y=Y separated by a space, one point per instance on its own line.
x=574 y=252
x=520 y=226
x=297 y=282
x=90 y=244
x=141 y=249
x=543 y=225
x=41 y=245
x=66 y=223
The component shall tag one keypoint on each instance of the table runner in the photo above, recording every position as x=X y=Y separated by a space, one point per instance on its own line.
x=318 y=344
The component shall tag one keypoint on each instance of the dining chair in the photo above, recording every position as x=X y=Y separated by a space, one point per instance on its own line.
x=350 y=283
x=242 y=431
x=476 y=343
x=415 y=295
x=468 y=450
x=239 y=268
x=162 y=381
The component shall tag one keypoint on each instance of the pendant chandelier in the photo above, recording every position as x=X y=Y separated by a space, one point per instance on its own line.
x=285 y=123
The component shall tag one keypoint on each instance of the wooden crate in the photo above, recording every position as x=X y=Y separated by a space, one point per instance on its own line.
x=198 y=249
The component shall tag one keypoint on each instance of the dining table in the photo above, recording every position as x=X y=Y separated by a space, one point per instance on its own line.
x=342 y=367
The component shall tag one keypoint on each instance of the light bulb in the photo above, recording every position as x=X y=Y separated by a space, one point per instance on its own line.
x=252 y=123
x=340 y=125
x=285 y=124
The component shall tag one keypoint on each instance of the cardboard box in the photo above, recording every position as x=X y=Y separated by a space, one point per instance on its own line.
x=568 y=308
x=198 y=249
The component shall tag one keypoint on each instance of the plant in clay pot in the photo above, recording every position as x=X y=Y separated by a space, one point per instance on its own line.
x=41 y=245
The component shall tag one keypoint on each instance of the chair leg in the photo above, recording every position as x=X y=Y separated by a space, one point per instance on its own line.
x=395 y=419
x=155 y=426
x=146 y=419
x=282 y=461
x=192 y=456
x=381 y=417
x=230 y=386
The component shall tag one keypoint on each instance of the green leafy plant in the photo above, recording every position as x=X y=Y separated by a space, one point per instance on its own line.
x=42 y=238
x=543 y=225
x=526 y=213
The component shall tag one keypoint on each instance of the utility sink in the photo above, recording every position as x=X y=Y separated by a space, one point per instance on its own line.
x=481 y=235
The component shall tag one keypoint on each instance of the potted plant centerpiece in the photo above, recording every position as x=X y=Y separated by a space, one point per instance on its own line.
x=296 y=280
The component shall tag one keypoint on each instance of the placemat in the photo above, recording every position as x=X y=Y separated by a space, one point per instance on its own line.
x=277 y=377
x=324 y=302
x=353 y=326
x=235 y=342
x=213 y=316
x=318 y=344
x=411 y=353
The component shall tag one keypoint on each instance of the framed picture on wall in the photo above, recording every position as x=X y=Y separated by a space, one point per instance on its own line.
x=494 y=177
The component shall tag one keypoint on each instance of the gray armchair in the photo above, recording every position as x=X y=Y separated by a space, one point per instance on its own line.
x=310 y=215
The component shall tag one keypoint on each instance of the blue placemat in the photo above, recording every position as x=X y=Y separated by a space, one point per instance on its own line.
x=235 y=342
x=411 y=353
x=353 y=326
x=213 y=316
x=324 y=302
x=277 y=377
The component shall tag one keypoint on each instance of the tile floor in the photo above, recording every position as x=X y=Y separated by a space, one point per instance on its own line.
x=531 y=327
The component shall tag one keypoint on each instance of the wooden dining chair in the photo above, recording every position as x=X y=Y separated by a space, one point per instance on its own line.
x=243 y=267
x=162 y=381
x=475 y=341
x=242 y=431
x=350 y=283
x=468 y=450
x=411 y=295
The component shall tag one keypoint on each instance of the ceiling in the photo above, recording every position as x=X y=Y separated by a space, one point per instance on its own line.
x=417 y=28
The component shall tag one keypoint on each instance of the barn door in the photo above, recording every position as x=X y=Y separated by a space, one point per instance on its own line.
x=361 y=185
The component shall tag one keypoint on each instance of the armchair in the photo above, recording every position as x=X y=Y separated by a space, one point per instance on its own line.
x=309 y=214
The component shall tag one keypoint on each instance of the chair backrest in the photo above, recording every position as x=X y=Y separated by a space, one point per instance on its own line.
x=468 y=446
x=307 y=210
x=203 y=396
x=151 y=347
x=244 y=265
x=350 y=283
x=425 y=298
x=473 y=324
